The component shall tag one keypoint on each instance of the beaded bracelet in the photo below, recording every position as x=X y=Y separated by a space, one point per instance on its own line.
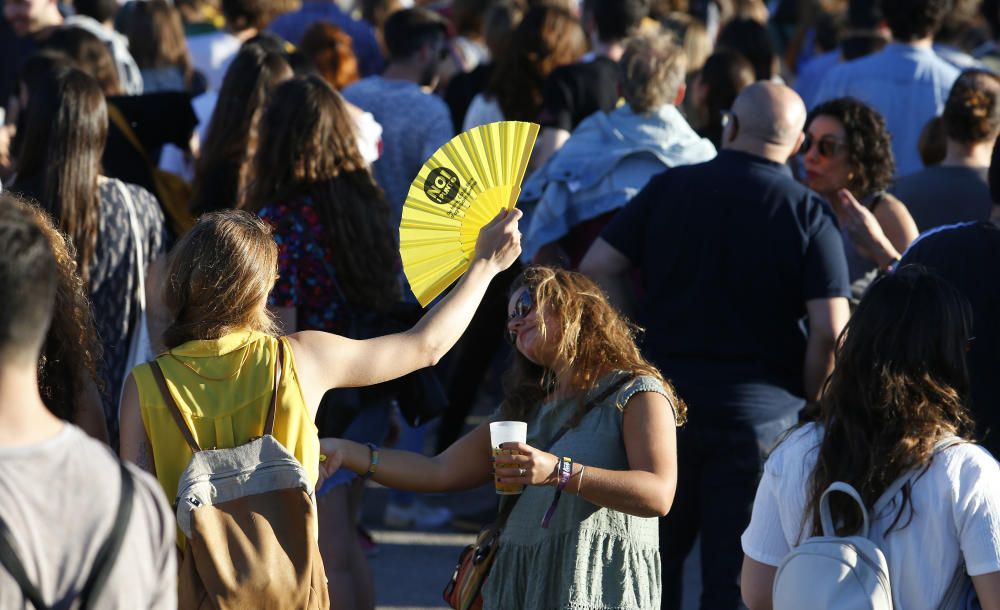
x=373 y=461
x=565 y=466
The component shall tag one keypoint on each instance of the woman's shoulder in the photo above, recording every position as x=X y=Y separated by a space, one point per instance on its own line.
x=966 y=463
x=797 y=447
x=628 y=385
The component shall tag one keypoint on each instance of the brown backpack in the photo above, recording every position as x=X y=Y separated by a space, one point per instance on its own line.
x=249 y=516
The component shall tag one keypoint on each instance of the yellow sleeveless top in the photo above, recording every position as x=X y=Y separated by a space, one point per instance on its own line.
x=223 y=388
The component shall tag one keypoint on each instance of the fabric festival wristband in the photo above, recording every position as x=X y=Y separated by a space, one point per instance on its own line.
x=565 y=471
x=373 y=463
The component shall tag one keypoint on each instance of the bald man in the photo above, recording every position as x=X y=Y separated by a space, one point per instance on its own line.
x=744 y=286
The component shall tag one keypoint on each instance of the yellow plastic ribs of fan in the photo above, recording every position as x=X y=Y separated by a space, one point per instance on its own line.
x=460 y=189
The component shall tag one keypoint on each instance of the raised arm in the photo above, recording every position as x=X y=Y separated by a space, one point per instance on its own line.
x=325 y=361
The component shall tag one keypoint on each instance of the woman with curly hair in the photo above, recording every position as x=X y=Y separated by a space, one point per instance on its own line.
x=67 y=368
x=847 y=153
x=894 y=406
x=577 y=379
x=548 y=37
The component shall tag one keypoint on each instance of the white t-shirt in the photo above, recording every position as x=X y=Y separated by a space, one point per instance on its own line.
x=956 y=515
x=211 y=55
x=482 y=111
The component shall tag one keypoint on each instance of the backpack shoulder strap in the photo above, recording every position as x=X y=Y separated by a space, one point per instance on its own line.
x=109 y=550
x=175 y=411
x=102 y=563
x=894 y=488
x=12 y=563
x=279 y=363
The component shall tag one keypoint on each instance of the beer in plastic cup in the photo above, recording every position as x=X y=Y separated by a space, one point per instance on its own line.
x=507 y=432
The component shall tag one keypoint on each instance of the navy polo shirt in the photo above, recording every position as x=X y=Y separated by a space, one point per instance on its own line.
x=729 y=252
x=968 y=256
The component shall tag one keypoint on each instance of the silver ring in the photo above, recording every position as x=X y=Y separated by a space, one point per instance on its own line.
x=522 y=471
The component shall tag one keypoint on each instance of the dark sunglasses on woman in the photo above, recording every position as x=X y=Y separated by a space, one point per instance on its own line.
x=828 y=146
x=522 y=307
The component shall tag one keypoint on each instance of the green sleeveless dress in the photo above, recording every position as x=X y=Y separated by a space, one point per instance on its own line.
x=590 y=558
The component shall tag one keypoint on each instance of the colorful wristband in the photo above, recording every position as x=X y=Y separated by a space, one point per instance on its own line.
x=373 y=461
x=565 y=467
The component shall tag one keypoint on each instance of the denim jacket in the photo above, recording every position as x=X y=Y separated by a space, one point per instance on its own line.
x=609 y=158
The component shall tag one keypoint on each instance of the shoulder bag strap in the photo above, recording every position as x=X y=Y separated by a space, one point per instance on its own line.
x=111 y=547
x=269 y=423
x=102 y=563
x=508 y=507
x=175 y=411
x=123 y=126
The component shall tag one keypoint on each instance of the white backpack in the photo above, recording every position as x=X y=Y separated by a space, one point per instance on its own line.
x=831 y=572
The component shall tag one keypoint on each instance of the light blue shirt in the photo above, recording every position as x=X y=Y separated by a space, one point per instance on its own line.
x=813 y=72
x=906 y=84
x=609 y=158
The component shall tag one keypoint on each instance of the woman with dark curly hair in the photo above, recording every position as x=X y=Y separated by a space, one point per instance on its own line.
x=67 y=368
x=894 y=407
x=847 y=148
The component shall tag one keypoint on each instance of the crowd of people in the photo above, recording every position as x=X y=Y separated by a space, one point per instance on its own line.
x=758 y=264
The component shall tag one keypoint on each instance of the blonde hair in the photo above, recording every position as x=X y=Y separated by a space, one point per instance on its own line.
x=592 y=338
x=218 y=278
x=652 y=72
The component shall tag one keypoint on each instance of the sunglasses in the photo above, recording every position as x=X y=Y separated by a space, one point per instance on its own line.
x=522 y=307
x=828 y=146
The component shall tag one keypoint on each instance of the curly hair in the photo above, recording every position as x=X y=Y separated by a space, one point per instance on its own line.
x=308 y=148
x=972 y=112
x=593 y=338
x=910 y=20
x=71 y=350
x=546 y=38
x=869 y=145
x=899 y=384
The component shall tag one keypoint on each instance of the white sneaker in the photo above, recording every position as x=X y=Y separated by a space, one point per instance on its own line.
x=418 y=515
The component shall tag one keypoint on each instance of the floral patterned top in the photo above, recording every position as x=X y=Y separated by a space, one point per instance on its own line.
x=305 y=266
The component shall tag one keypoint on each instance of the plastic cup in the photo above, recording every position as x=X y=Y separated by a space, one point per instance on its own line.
x=507 y=432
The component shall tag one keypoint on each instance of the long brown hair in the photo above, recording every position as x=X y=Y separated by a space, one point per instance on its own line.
x=67 y=128
x=156 y=38
x=899 y=385
x=218 y=277
x=71 y=350
x=592 y=339
x=547 y=37
x=222 y=173
x=308 y=148
x=90 y=55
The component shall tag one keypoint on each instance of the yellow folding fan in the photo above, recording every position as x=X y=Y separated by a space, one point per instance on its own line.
x=462 y=187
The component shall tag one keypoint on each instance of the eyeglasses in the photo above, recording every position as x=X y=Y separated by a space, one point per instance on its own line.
x=728 y=116
x=828 y=146
x=522 y=307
